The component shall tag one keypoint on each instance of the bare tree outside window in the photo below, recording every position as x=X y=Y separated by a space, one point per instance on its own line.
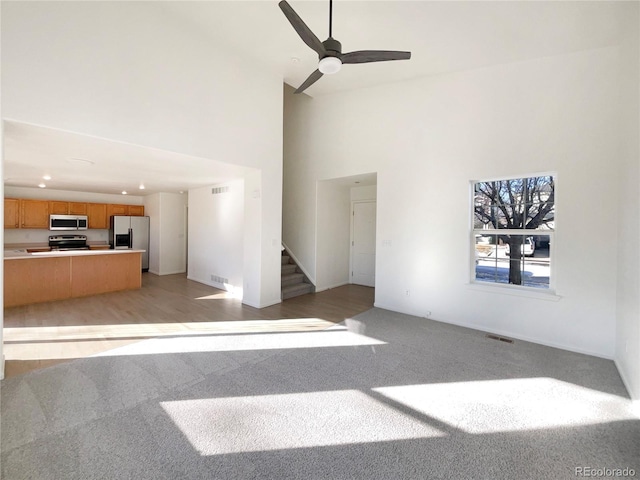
x=514 y=214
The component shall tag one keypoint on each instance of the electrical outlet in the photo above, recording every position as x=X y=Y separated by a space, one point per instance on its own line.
x=407 y=293
x=427 y=314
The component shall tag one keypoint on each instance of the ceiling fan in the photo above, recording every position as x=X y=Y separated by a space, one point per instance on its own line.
x=330 y=51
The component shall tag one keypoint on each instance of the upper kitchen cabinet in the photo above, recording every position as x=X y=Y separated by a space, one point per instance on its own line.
x=97 y=213
x=11 y=213
x=117 y=210
x=34 y=214
x=58 y=208
x=77 y=208
x=136 y=210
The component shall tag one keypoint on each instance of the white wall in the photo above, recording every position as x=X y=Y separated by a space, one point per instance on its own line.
x=333 y=217
x=168 y=232
x=71 y=196
x=370 y=192
x=216 y=233
x=173 y=233
x=152 y=210
x=426 y=139
x=134 y=72
x=628 y=294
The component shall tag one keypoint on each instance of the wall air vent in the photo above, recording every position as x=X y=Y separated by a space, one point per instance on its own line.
x=219 y=279
x=217 y=190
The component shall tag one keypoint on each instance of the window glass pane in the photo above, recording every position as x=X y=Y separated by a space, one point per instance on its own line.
x=521 y=203
x=496 y=261
x=492 y=265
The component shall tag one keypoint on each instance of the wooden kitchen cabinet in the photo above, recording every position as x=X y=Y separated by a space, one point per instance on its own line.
x=136 y=210
x=117 y=210
x=77 y=208
x=28 y=213
x=11 y=213
x=34 y=214
x=97 y=213
x=58 y=208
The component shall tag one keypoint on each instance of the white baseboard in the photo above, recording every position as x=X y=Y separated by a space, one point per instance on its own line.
x=155 y=272
x=219 y=286
x=504 y=333
x=322 y=289
x=2 y=368
x=262 y=305
x=627 y=384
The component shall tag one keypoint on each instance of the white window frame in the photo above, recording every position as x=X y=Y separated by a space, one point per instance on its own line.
x=509 y=288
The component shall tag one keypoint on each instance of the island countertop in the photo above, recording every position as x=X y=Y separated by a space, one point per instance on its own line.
x=22 y=253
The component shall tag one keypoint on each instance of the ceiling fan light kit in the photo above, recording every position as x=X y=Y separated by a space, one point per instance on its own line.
x=329 y=52
x=329 y=65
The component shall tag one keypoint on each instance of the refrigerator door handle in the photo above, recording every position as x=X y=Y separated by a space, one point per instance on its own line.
x=131 y=238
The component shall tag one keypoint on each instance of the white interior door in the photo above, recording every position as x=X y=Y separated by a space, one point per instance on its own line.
x=363 y=244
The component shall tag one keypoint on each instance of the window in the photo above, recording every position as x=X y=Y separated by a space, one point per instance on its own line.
x=513 y=225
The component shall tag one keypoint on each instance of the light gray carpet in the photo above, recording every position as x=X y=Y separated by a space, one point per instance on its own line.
x=386 y=396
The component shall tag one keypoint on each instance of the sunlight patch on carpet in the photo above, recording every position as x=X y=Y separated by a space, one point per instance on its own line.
x=216 y=426
x=507 y=405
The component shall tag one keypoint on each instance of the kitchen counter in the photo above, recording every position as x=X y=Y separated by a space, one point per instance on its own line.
x=46 y=276
x=22 y=253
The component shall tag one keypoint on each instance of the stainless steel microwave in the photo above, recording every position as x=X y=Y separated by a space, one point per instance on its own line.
x=68 y=222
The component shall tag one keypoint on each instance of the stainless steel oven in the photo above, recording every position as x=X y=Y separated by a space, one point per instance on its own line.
x=68 y=242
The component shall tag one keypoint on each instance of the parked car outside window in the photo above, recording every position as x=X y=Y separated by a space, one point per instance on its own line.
x=527 y=249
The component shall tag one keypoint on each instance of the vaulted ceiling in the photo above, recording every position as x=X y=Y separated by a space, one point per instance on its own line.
x=443 y=36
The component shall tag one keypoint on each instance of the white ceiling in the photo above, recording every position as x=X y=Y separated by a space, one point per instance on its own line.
x=90 y=164
x=443 y=37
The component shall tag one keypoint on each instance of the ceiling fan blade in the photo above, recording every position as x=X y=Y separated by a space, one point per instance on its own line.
x=305 y=32
x=313 y=78
x=367 y=56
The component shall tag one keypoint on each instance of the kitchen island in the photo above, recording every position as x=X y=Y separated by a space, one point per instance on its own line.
x=34 y=277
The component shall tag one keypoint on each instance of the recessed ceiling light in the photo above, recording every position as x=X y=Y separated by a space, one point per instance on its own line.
x=80 y=161
x=41 y=185
x=124 y=192
x=141 y=187
x=47 y=177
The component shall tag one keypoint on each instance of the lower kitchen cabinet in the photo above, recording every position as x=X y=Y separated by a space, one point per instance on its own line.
x=69 y=276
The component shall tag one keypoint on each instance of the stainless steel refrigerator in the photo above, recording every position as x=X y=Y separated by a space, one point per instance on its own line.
x=130 y=232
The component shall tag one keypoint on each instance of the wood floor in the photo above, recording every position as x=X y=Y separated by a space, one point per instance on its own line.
x=37 y=336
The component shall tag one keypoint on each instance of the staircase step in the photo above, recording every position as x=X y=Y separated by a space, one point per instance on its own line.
x=285 y=259
x=289 y=268
x=291 y=279
x=296 y=290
